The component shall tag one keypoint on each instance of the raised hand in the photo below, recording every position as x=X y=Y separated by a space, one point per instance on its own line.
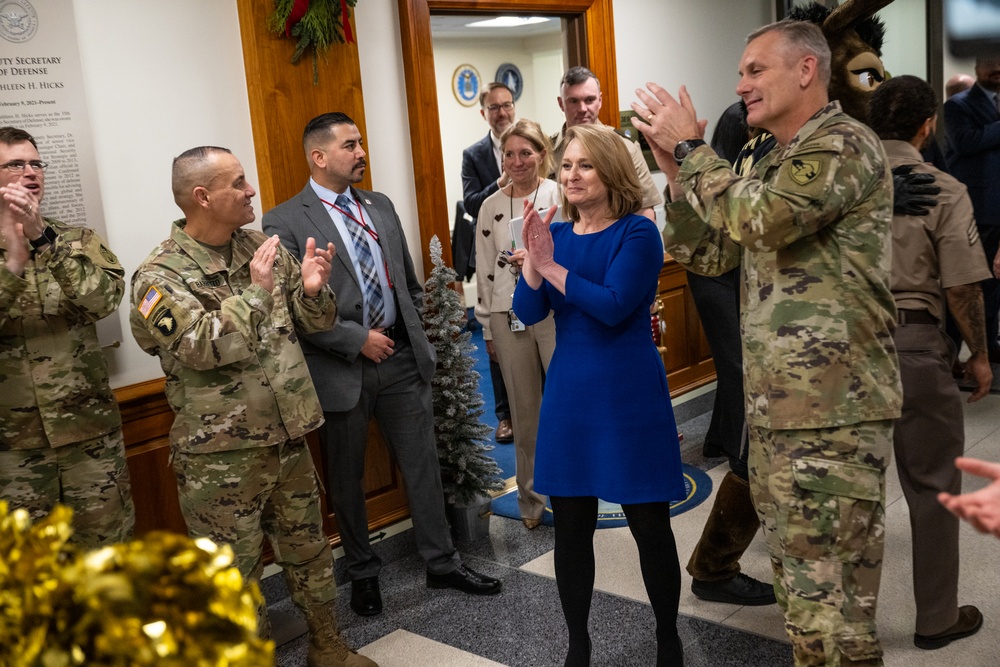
x=12 y=233
x=262 y=264
x=316 y=265
x=537 y=240
x=980 y=508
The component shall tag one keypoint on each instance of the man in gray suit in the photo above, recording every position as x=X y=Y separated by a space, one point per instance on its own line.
x=376 y=361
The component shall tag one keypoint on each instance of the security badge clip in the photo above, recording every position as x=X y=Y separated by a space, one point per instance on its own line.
x=514 y=323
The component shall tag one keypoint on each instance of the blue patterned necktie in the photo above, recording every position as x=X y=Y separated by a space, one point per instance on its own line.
x=369 y=274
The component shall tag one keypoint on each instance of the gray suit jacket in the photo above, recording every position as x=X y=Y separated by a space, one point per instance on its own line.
x=334 y=356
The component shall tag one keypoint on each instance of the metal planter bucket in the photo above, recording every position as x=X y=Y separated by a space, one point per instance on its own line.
x=470 y=521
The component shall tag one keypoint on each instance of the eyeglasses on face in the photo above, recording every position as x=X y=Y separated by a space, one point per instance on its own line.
x=506 y=106
x=17 y=166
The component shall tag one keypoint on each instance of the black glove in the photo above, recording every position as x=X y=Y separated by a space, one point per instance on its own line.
x=913 y=194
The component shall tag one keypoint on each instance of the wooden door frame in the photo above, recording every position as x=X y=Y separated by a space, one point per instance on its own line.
x=590 y=41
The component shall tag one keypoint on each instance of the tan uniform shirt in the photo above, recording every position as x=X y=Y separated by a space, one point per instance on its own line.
x=939 y=250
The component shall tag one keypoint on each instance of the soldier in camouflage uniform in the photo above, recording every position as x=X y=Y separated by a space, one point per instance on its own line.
x=60 y=430
x=811 y=223
x=222 y=307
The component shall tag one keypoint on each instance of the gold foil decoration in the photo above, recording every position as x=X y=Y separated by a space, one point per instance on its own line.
x=162 y=599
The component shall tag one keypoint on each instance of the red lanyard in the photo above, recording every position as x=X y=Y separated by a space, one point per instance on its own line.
x=371 y=232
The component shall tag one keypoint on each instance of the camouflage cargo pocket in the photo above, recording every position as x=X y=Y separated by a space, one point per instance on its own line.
x=832 y=509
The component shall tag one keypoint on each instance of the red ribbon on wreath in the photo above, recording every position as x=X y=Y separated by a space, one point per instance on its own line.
x=299 y=9
x=348 y=35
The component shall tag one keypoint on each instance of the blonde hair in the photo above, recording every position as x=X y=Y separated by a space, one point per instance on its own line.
x=531 y=132
x=605 y=150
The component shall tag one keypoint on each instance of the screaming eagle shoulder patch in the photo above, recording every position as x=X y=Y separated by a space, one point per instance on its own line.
x=165 y=322
x=803 y=172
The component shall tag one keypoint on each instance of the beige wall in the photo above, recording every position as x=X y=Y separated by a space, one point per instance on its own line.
x=540 y=62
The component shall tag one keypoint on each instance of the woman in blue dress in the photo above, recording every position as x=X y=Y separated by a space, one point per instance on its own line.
x=599 y=274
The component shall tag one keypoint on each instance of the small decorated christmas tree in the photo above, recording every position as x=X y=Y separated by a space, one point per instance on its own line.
x=467 y=472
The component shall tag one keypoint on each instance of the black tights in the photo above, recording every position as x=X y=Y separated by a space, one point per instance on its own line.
x=575 y=521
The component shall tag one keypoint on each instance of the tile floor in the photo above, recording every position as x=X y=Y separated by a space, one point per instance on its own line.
x=523 y=626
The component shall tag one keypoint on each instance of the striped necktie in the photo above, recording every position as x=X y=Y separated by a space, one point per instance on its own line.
x=373 y=288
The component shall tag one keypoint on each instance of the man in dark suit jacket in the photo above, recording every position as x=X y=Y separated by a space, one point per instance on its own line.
x=972 y=122
x=376 y=361
x=481 y=177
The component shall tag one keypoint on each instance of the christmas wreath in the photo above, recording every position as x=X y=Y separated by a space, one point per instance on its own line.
x=316 y=24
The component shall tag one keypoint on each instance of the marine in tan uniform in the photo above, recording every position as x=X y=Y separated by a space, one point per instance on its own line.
x=811 y=224
x=937 y=261
x=222 y=307
x=60 y=430
x=580 y=100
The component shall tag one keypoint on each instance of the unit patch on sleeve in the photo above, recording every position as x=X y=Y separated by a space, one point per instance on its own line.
x=165 y=322
x=803 y=171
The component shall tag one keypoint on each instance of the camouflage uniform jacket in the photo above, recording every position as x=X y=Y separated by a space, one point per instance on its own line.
x=236 y=377
x=812 y=226
x=53 y=373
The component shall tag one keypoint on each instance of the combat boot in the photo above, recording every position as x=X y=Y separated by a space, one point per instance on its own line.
x=326 y=647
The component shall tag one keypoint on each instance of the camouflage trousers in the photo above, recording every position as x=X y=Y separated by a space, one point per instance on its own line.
x=89 y=477
x=241 y=496
x=820 y=495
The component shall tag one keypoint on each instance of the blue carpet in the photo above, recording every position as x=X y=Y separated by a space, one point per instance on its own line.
x=697 y=486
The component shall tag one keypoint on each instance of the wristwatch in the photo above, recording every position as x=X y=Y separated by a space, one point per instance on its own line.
x=48 y=237
x=684 y=148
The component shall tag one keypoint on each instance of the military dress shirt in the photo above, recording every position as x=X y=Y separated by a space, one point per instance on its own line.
x=933 y=252
x=236 y=377
x=53 y=375
x=812 y=227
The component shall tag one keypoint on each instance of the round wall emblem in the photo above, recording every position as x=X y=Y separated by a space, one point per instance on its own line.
x=18 y=20
x=466 y=84
x=509 y=75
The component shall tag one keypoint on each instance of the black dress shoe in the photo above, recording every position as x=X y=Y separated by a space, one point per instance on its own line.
x=741 y=589
x=970 y=619
x=466 y=580
x=366 y=598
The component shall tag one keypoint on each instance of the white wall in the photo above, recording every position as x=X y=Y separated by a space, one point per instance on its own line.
x=675 y=42
x=541 y=63
x=158 y=83
x=904 y=50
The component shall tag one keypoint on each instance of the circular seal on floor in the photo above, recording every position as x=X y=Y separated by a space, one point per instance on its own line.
x=697 y=486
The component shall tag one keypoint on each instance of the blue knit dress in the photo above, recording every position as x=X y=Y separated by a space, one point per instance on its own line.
x=607 y=426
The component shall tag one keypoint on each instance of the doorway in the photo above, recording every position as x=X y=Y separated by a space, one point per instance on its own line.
x=588 y=39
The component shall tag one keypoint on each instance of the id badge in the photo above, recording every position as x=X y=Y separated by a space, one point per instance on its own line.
x=514 y=323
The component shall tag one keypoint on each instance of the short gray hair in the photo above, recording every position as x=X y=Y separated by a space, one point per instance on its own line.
x=801 y=38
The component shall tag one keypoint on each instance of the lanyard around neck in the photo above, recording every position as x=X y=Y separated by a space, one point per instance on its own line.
x=360 y=220
x=371 y=232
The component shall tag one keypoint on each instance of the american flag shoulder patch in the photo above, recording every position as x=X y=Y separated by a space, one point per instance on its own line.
x=149 y=301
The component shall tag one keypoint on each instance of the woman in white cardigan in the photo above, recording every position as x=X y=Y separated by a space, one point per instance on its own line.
x=523 y=352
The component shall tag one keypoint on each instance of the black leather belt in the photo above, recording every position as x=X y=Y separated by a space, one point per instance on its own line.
x=916 y=317
x=397 y=331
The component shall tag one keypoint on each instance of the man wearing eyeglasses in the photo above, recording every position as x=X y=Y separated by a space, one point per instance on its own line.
x=60 y=429
x=481 y=177
x=580 y=100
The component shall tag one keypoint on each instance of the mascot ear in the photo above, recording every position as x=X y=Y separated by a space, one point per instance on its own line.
x=846 y=14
